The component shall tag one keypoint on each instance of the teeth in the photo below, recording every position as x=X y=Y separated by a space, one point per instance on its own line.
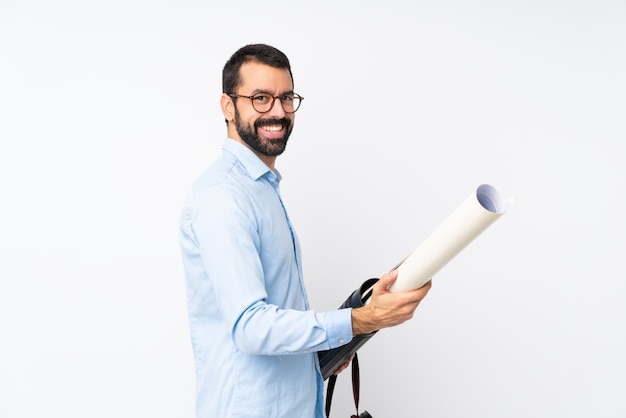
x=273 y=128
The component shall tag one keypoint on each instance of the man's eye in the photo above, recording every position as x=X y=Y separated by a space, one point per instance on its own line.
x=261 y=98
x=286 y=98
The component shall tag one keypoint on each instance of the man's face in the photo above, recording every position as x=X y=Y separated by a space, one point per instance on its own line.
x=266 y=133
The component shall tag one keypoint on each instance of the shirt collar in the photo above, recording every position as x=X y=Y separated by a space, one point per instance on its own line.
x=253 y=164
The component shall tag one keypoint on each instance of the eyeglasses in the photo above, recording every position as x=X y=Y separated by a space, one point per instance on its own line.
x=263 y=102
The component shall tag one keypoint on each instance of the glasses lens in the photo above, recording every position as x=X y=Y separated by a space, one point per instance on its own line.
x=291 y=102
x=262 y=102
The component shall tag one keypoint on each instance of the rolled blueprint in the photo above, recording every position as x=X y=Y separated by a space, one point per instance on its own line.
x=482 y=208
x=475 y=214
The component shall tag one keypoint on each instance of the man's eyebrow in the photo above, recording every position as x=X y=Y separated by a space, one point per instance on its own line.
x=259 y=91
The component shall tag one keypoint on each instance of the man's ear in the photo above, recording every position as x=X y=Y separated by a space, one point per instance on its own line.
x=228 y=107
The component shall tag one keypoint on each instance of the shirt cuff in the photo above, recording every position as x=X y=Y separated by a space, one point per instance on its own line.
x=338 y=327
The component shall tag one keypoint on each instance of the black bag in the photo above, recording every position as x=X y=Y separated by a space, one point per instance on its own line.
x=330 y=360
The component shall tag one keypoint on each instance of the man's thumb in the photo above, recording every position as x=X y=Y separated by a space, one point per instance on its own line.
x=387 y=279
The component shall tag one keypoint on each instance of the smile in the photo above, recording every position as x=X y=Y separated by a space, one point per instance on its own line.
x=272 y=128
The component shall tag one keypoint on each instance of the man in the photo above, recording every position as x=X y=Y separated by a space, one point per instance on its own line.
x=254 y=338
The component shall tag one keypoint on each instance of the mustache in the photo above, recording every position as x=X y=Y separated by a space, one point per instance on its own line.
x=284 y=122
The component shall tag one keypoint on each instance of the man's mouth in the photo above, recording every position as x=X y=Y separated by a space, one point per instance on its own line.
x=273 y=127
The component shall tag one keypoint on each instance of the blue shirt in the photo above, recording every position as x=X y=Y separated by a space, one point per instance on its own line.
x=253 y=335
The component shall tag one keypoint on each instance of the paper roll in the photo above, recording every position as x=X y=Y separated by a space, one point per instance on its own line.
x=469 y=220
x=482 y=208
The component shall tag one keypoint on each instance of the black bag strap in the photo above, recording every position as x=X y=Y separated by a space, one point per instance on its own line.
x=356 y=388
x=356 y=383
x=329 y=392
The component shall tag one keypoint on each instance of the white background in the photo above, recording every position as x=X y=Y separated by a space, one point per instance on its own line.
x=109 y=110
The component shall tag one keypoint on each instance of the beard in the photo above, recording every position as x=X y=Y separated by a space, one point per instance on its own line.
x=264 y=146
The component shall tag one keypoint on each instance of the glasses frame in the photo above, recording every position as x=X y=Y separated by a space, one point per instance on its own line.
x=300 y=98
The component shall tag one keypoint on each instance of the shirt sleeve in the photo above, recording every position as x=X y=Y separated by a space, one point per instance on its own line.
x=227 y=236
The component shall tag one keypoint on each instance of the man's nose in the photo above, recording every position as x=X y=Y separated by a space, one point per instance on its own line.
x=277 y=109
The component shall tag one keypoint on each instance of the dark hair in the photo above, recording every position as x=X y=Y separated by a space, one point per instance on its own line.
x=260 y=53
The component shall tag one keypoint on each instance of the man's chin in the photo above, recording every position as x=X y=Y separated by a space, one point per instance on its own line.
x=270 y=147
x=273 y=146
x=274 y=151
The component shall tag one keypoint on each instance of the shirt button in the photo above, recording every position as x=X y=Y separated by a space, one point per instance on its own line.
x=341 y=341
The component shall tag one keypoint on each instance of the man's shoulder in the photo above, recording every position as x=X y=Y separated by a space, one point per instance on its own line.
x=223 y=170
x=224 y=181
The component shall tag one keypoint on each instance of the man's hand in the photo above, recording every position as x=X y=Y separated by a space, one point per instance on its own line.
x=387 y=309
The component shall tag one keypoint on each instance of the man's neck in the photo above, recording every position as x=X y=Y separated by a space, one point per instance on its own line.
x=269 y=161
